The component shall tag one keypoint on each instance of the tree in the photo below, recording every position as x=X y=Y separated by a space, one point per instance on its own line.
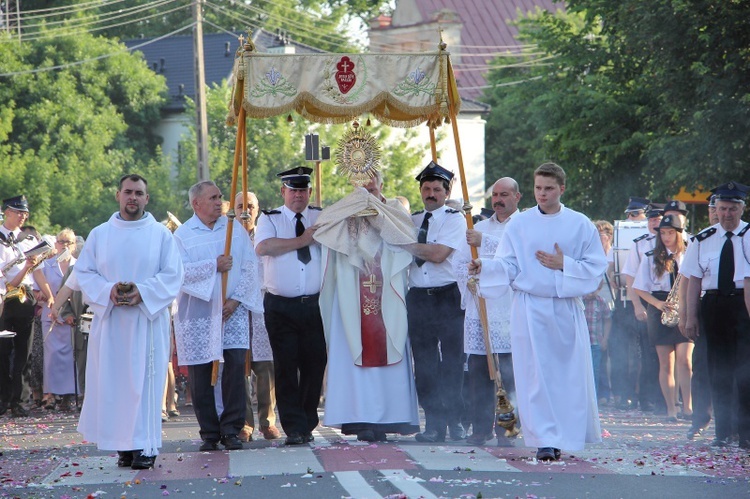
x=639 y=98
x=69 y=134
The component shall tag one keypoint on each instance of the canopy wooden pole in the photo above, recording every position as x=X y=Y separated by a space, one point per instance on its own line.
x=239 y=158
x=433 y=144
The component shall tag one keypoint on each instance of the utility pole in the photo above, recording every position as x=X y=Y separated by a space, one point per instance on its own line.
x=200 y=93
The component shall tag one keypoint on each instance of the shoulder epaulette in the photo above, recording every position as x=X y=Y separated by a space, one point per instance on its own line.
x=317 y=208
x=705 y=234
x=417 y=212
x=449 y=210
x=650 y=252
x=270 y=212
x=692 y=239
x=742 y=232
x=29 y=237
x=650 y=237
x=639 y=238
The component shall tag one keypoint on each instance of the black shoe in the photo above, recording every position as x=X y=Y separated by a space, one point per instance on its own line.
x=124 y=458
x=295 y=439
x=647 y=407
x=478 y=439
x=430 y=436
x=380 y=436
x=558 y=453
x=208 y=445
x=720 y=442
x=696 y=431
x=366 y=436
x=625 y=405
x=456 y=431
x=3 y=408
x=545 y=454
x=231 y=442
x=18 y=411
x=141 y=462
x=308 y=437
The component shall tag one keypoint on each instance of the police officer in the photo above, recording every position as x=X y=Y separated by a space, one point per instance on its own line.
x=433 y=306
x=718 y=266
x=292 y=279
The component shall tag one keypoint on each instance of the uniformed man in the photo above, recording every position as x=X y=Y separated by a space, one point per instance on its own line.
x=433 y=306
x=17 y=316
x=700 y=387
x=719 y=266
x=629 y=332
x=292 y=279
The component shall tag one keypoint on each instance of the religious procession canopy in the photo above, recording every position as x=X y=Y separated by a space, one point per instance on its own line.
x=400 y=90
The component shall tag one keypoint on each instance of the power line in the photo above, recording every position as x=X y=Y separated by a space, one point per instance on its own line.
x=98 y=58
x=67 y=9
x=63 y=32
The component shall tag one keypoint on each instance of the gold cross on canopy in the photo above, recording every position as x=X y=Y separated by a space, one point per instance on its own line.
x=372 y=283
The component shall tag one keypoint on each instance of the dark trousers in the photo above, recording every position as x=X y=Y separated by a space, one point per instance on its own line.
x=295 y=331
x=232 y=419
x=649 y=390
x=436 y=333
x=700 y=386
x=623 y=351
x=727 y=327
x=14 y=352
x=481 y=396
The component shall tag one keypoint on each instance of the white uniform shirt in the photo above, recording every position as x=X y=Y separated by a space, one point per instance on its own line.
x=7 y=255
x=702 y=259
x=285 y=275
x=637 y=254
x=646 y=279
x=447 y=227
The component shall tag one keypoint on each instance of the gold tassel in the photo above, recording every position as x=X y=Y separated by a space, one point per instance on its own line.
x=368 y=123
x=289 y=119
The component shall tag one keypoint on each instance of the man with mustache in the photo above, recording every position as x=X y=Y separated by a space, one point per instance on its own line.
x=433 y=306
x=486 y=235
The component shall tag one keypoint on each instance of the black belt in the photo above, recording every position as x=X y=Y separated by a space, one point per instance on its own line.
x=660 y=295
x=296 y=299
x=734 y=292
x=436 y=290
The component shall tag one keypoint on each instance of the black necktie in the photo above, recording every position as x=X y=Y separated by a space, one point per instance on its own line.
x=11 y=238
x=726 y=266
x=422 y=236
x=673 y=273
x=303 y=254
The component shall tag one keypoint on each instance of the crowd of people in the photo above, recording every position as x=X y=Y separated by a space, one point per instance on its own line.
x=378 y=312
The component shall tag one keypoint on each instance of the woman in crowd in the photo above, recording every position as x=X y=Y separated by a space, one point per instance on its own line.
x=59 y=368
x=655 y=278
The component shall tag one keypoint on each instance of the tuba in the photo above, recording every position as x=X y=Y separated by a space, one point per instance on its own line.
x=670 y=317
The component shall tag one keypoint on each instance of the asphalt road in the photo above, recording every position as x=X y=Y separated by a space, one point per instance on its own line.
x=640 y=457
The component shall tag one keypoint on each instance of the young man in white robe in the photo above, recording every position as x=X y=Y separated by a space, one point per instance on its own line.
x=129 y=338
x=550 y=256
x=370 y=387
x=210 y=326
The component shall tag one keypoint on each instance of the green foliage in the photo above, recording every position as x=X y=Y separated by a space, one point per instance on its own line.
x=67 y=135
x=637 y=98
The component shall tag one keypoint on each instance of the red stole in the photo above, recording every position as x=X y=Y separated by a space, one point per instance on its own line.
x=374 y=338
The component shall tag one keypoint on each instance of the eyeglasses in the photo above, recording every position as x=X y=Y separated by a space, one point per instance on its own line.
x=66 y=243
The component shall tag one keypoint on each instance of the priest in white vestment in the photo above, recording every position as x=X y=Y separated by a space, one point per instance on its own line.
x=129 y=339
x=211 y=327
x=549 y=256
x=370 y=385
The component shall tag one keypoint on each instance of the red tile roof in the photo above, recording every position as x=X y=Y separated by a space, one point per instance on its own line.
x=486 y=32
